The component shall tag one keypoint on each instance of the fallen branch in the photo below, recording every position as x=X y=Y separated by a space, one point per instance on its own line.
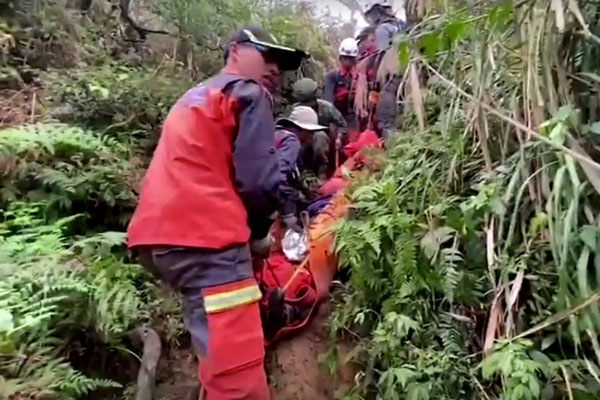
x=146 y=381
x=142 y=32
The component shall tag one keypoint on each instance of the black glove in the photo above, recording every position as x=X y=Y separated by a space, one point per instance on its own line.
x=260 y=226
x=261 y=247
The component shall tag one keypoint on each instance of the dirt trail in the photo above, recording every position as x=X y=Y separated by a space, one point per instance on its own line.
x=294 y=369
x=294 y=364
x=177 y=377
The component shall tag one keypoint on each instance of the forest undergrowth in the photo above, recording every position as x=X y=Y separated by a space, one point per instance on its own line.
x=84 y=87
x=473 y=250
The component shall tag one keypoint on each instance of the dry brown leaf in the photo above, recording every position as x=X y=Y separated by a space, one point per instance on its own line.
x=492 y=326
x=559 y=11
x=592 y=174
x=516 y=288
x=417 y=96
x=361 y=102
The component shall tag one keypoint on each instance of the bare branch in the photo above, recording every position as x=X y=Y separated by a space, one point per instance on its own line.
x=126 y=18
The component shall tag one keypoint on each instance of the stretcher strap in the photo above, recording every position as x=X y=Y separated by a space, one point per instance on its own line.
x=295 y=274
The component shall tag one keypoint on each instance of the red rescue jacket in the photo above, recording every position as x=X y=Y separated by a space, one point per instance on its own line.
x=338 y=90
x=215 y=165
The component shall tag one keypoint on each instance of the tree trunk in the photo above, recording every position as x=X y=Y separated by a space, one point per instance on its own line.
x=85 y=5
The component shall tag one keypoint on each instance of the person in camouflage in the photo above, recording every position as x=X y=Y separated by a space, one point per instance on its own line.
x=293 y=141
x=325 y=144
x=367 y=95
x=386 y=25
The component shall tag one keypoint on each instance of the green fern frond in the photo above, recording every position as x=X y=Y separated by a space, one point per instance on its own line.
x=449 y=260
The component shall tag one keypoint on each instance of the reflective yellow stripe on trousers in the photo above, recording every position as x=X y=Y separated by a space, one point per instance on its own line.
x=224 y=301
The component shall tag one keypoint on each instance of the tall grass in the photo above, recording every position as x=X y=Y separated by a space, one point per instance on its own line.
x=494 y=173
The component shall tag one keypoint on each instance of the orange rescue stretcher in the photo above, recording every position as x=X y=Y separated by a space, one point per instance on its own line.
x=292 y=293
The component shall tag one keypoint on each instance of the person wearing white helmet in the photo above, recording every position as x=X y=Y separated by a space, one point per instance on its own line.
x=348 y=51
x=338 y=82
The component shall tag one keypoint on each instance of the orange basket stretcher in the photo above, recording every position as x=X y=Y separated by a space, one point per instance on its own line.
x=307 y=284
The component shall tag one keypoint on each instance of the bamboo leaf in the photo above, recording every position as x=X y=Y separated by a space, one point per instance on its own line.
x=561 y=316
x=6 y=321
x=548 y=341
x=589 y=235
x=592 y=174
x=582 y=275
x=417 y=96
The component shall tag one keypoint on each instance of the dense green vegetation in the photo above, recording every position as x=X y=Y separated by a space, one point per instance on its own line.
x=474 y=250
x=82 y=97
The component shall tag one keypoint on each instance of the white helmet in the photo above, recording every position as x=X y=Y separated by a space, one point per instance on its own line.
x=348 y=48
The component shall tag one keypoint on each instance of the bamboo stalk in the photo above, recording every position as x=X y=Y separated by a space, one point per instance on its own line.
x=504 y=117
x=33 y=105
x=567 y=381
x=561 y=316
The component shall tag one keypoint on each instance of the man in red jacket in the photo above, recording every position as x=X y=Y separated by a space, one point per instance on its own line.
x=211 y=188
x=338 y=88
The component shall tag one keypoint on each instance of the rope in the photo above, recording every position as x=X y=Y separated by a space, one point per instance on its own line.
x=295 y=274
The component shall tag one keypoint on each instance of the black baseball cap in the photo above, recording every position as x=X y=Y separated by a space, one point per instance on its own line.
x=287 y=58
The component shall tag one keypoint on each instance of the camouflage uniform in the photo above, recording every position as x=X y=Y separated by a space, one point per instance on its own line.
x=305 y=90
x=321 y=146
x=387 y=107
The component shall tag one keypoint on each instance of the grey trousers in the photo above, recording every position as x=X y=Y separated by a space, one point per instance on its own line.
x=189 y=270
x=387 y=108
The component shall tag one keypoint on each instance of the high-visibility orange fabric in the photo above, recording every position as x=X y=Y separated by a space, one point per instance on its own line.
x=352 y=150
x=234 y=366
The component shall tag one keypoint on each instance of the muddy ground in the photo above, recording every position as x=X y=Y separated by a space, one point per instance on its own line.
x=295 y=372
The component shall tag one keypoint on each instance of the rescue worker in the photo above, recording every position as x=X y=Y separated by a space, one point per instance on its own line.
x=325 y=144
x=338 y=88
x=365 y=41
x=381 y=15
x=294 y=142
x=365 y=80
x=211 y=187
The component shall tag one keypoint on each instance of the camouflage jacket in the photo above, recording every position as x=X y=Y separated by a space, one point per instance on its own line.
x=329 y=115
